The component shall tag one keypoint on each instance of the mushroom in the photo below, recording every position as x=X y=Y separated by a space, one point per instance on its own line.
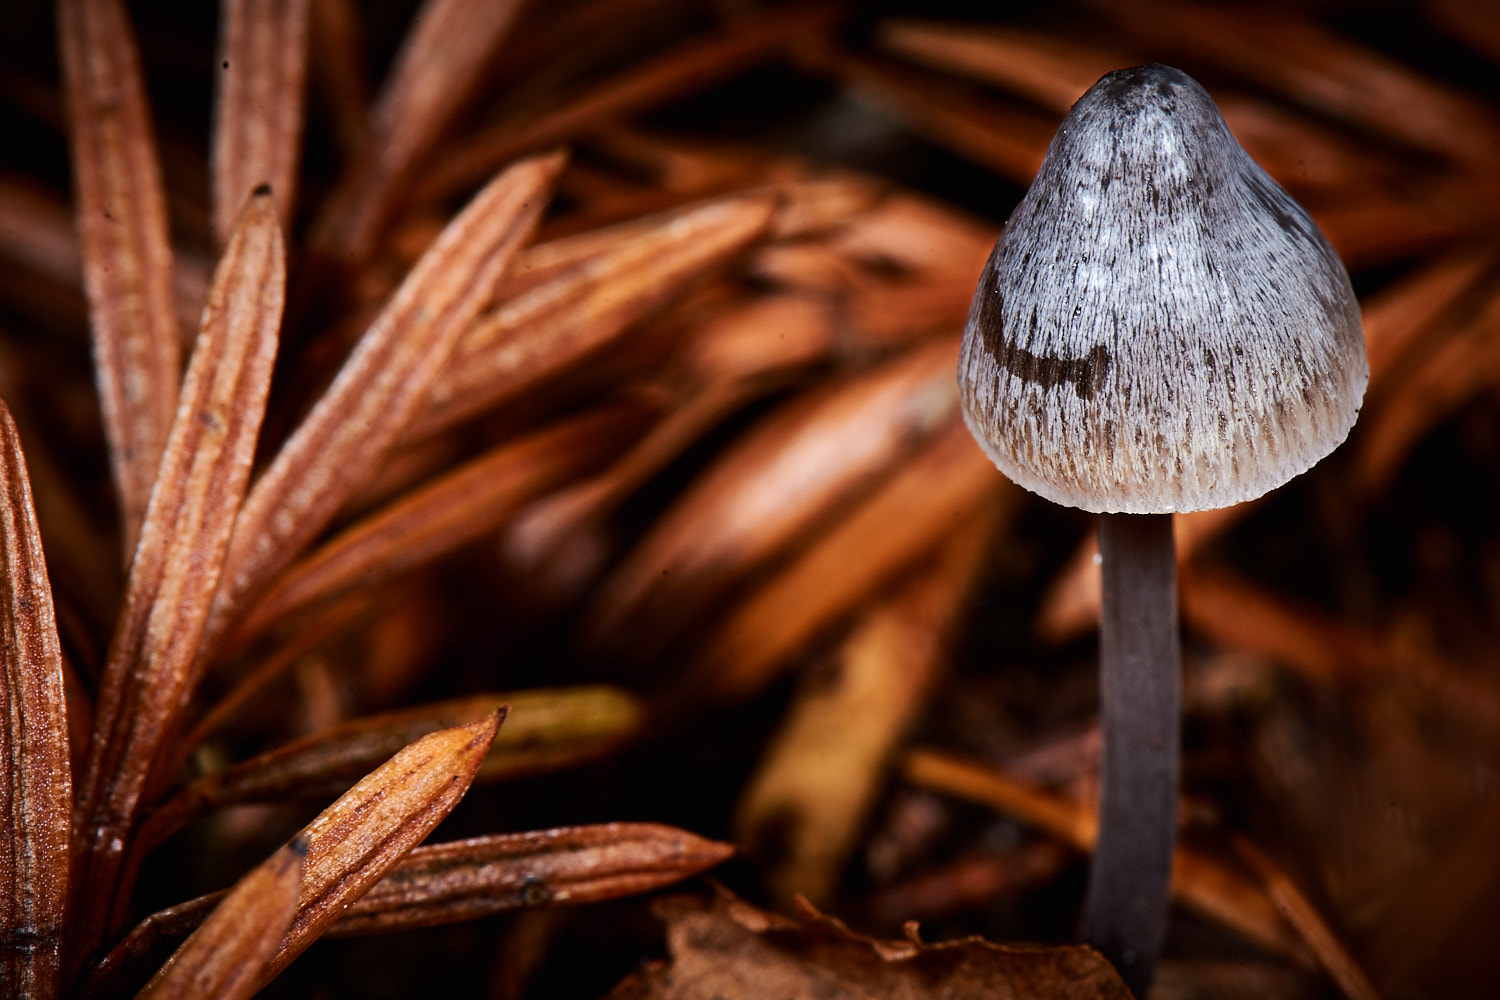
x=1160 y=328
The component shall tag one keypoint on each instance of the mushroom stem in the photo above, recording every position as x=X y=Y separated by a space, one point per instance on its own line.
x=1140 y=680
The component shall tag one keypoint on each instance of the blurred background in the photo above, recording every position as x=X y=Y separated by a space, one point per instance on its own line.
x=849 y=646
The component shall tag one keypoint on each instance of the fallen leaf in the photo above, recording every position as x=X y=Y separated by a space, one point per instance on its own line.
x=725 y=949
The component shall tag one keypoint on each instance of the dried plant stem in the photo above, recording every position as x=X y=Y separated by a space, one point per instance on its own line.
x=1140 y=680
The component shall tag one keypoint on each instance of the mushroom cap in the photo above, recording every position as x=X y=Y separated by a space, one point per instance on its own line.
x=1161 y=327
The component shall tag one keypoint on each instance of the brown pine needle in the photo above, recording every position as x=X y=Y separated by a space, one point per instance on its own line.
x=692 y=65
x=1301 y=914
x=1010 y=140
x=559 y=542
x=127 y=253
x=563 y=321
x=450 y=511
x=353 y=842
x=36 y=796
x=547 y=730
x=224 y=956
x=1199 y=880
x=338 y=38
x=183 y=541
x=262 y=84
x=767 y=491
x=908 y=516
x=812 y=793
x=1315 y=67
x=437 y=69
x=342 y=441
x=1457 y=362
x=331 y=621
x=1055 y=71
x=348 y=848
x=468 y=879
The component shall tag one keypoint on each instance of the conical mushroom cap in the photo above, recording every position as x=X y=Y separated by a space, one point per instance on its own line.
x=1161 y=327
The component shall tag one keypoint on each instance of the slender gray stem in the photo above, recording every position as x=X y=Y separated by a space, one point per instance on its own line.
x=1140 y=692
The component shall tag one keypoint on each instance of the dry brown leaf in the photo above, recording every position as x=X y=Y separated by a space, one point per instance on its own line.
x=1199 y=880
x=468 y=879
x=334 y=450
x=183 y=543
x=127 y=252
x=453 y=510
x=565 y=320
x=560 y=543
x=547 y=729
x=353 y=842
x=808 y=458
x=810 y=796
x=258 y=121
x=725 y=949
x=907 y=516
x=36 y=796
x=691 y=65
x=439 y=64
x=223 y=957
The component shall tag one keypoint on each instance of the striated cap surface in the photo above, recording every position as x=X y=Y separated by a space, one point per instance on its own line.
x=1161 y=327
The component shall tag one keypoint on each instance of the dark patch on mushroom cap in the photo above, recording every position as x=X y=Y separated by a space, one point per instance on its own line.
x=1160 y=327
